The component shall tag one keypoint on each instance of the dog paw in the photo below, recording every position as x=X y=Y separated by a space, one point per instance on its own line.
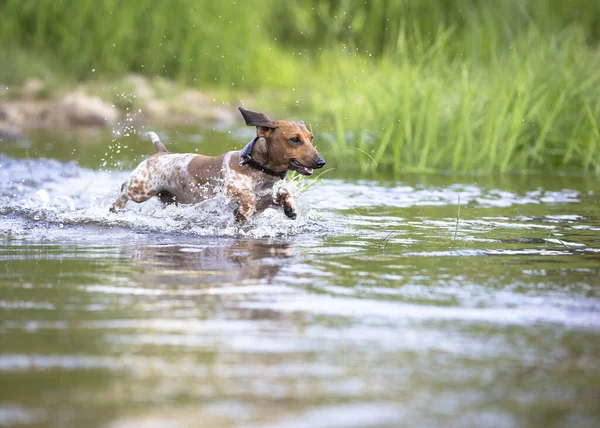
x=239 y=217
x=290 y=212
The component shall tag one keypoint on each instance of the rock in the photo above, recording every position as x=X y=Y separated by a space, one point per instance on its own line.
x=194 y=99
x=200 y=107
x=139 y=86
x=3 y=90
x=155 y=109
x=32 y=88
x=10 y=132
x=84 y=110
x=220 y=114
x=32 y=114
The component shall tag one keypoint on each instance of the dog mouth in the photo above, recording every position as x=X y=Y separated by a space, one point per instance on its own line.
x=299 y=168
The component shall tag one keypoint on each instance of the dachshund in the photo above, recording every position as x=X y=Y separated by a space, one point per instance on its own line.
x=252 y=179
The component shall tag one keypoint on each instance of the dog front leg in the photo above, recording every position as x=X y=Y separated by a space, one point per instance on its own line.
x=245 y=200
x=285 y=198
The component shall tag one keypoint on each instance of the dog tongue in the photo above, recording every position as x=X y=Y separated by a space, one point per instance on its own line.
x=298 y=167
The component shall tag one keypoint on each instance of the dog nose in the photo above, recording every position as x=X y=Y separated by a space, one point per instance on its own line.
x=320 y=162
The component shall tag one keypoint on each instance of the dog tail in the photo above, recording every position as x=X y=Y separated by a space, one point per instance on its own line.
x=158 y=145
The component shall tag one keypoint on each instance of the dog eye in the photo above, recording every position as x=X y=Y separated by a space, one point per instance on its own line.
x=295 y=140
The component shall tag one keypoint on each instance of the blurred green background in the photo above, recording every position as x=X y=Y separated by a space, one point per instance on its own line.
x=478 y=86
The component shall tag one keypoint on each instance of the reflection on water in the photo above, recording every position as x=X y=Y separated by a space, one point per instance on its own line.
x=215 y=261
x=376 y=308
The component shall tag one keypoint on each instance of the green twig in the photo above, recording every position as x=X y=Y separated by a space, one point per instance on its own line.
x=559 y=240
x=457 y=218
x=385 y=241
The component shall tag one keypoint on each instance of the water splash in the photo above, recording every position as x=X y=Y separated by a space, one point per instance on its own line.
x=61 y=193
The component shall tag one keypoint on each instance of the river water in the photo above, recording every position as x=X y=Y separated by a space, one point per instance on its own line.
x=381 y=305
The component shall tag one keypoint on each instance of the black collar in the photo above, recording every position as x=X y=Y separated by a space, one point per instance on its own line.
x=246 y=159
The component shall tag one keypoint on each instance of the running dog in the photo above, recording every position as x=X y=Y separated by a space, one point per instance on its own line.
x=253 y=178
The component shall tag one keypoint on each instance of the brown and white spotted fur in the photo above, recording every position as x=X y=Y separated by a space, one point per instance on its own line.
x=252 y=178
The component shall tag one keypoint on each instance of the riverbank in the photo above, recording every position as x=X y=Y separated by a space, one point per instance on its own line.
x=132 y=100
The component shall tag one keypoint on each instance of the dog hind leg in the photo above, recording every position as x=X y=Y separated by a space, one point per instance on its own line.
x=119 y=204
x=132 y=190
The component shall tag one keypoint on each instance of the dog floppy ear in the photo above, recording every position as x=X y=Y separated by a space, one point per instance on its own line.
x=256 y=119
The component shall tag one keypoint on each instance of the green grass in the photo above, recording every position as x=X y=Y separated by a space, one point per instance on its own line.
x=475 y=86
x=537 y=108
x=481 y=28
x=193 y=41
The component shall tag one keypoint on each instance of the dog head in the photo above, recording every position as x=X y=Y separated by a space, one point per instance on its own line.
x=283 y=144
